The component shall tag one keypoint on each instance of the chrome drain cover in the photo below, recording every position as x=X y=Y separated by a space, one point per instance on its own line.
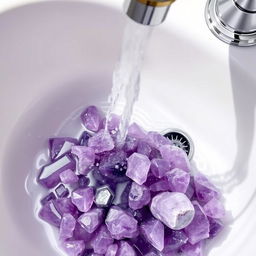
x=180 y=139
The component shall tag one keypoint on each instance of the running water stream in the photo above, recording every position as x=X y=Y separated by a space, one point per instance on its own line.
x=126 y=76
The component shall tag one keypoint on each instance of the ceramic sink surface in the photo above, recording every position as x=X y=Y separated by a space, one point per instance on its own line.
x=57 y=57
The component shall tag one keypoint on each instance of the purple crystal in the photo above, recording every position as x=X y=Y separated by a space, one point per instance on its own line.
x=48 y=198
x=138 y=168
x=198 y=229
x=159 y=186
x=153 y=254
x=81 y=234
x=174 y=240
x=215 y=227
x=91 y=118
x=122 y=194
x=50 y=214
x=125 y=249
x=68 y=177
x=49 y=175
x=156 y=140
x=205 y=191
x=174 y=209
x=86 y=158
x=61 y=191
x=193 y=250
x=64 y=205
x=127 y=225
x=60 y=146
x=83 y=198
x=101 y=142
x=91 y=220
x=178 y=180
x=113 y=124
x=101 y=241
x=67 y=226
x=153 y=231
x=214 y=209
x=143 y=148
x=73 y=248
x=159 y=167
x=139 y=196
x=176 y=157
x=112 y=250
x=83 y=141
x=191 y=189
x=83 y=181
x=136 y=131
x=104 y=196
x=130 y=145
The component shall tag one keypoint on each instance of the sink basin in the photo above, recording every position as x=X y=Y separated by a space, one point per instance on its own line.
x=56 y=57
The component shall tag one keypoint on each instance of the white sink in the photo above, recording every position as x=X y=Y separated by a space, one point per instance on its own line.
x=57 y=57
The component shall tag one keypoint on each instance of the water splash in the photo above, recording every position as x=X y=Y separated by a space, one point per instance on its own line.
x=126 y=76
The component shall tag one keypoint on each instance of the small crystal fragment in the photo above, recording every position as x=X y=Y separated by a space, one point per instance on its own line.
x=215 y=227
x=139 y=196
x=153 y=231
x=120 y=224
x=101 y=142
x=101 y=241
x=67 y=226
x=193 y=250
x=191 y=189
x=156 y=140
x=159 y=167
x=86 y=158
x=50 y=214
x=174 y=209
x=91 y=118
x=143 y=148
x=91 y=220
x=48 y=198
x=68 y=177
x=104 y=196
x=73 y=248
x=199 y=228
x=125 y=249
x=81 y=234
x=138 y=168
x=61 y=191
x=83 y=141
x=112 y=250
x=65 y=205
x=113 y=124
x=130 y=145
x=178 y=180
x=214 y=209
x=83 y=198
x=174 y=241
x=136 y=131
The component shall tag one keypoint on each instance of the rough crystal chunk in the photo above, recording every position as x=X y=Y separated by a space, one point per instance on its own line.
x=81 y=234
x=86 y=158
x=104 y=196
x=73 y=248
x=65 y=205
x=130 y=145
x=136 y=131
x=215 y=227
x=83 y=198
x=159 y=167
x=91 y=220
x=112 y=250
x=139 y=196
x=159 y=186
x=125 y=249
x=138 y=168
x=120 y=224
x=153 y=231
x=68 y=177
x=174 y=209
x=91 y=118
x=101 y=142
x=199 y=228
x=156 y=140
x=50 y=214
x=178 y=180
x=101 y=241
x=174 y=240
x=61 y=191
x=214 y=209
x=48 y=198
x=67 y=226
x=113 y=124
x=193 y=250
x=143 y=148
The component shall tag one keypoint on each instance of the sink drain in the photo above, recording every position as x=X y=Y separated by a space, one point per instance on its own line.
x=180 y=139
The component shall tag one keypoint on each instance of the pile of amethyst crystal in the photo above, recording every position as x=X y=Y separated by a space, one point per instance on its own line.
x=140 y=198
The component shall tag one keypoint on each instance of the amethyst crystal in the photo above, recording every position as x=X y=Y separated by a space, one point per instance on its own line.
x=215 y=227
x=68 y=177
x=83 y=198
x=64 y=205
x=130 y=145
x=139 y=196
x=122 y=194
x=101 y=241
x=113 y=124
x=136 y=131
x=81 y=234
x=49 y=175
x=138 y=168
x=86 y=158
x=199 y=228
x=159 y=186
x=174 y=209
x=61 y=191
x=83 y=181
x=159 y=167
x=214 y=209
x=153 y=231
x=91 y=118
x=91 y=220
x=83 y=141
x=156 y=140
x=143 y=148
x=127 y=225
x=112 y=250
x=101 y=142
x=174 y=240
x=48 y=198
x=193 y=250
x=125 y=249
x=104 y=196
x=73 y=248
x=67 y=226
x=178 y=180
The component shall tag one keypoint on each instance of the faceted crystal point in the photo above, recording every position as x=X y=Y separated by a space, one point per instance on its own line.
x=153 y=231
x=199 y=228
x=91 y=220
x=214 y=209
x=159 y=167
x=138 y=168
x=67 y=226
x=68 y=177
x=81 y=234
x=174 y=209
x=136 y=131
x=176 y=157
x=86 y=158
x=61 y=191
x=101 y=241
x=104 y=196
x=120 y=224
x=139 y=196
x=65 y=205
x=174 y=241
x=156 y=140
x=192 y=250
x=112 y=250
x=125 y=249
x=143 y=148
x=91 y=118
x=101 y=142
x=83 y=141
x=178 y=180
x=73 y=248
x=50 y=214
x=83 y=198
x=205 y=190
